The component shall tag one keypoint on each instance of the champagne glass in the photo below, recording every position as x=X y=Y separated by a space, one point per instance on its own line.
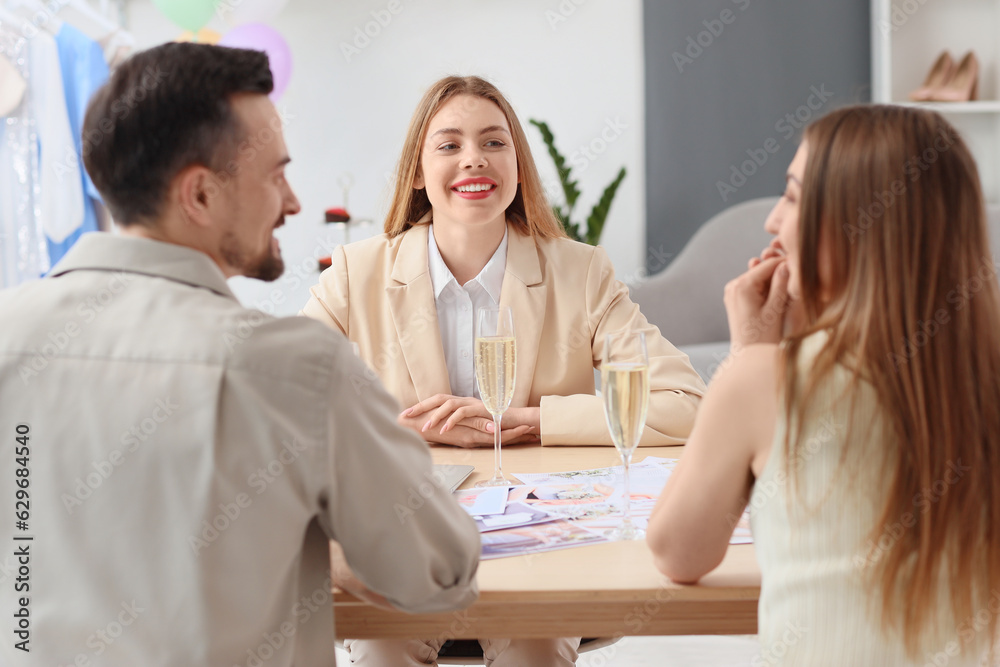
x=495 y=361
x=625 y=389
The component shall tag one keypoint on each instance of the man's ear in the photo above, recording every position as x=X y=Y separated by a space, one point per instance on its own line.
x=194 y=189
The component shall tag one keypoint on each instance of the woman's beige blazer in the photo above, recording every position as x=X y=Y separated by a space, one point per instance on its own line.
x=565 y=299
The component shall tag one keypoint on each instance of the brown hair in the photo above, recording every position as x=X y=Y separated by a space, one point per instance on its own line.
x=893 y=196
x=530 y=213
x=164 y=109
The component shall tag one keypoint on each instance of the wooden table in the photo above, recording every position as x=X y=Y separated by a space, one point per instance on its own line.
x=601 y=590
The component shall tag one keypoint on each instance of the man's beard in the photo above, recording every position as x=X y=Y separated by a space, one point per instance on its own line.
x=266 y=267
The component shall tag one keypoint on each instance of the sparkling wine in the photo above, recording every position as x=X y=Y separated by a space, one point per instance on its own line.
x=625 y=387
x=495 y=357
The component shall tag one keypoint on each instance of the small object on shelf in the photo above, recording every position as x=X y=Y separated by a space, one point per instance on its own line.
x=337 y=215
x=325 y=263
x=941 y=72
x=964 y=85
x=948 y=82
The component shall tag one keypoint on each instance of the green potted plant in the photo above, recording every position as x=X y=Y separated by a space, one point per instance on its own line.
x=595 y=221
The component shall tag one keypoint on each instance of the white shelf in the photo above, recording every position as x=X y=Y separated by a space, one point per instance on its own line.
x=980 y=106
x=908 y=35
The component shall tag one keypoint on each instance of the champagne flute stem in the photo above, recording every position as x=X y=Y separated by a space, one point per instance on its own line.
x=497 y=471
x=627 y=520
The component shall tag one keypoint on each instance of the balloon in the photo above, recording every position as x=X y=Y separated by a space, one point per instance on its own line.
x=260 y=37
x=203 y=36
x=188 y=14
x=238 y=12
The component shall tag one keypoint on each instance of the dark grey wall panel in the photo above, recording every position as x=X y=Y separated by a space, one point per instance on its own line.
x=729 y=84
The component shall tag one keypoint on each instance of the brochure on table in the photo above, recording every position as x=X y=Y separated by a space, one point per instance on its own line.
x=566 y=509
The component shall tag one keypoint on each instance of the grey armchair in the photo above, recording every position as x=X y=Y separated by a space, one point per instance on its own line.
x=685 y=300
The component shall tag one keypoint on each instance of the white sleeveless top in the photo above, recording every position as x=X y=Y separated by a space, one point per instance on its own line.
x=811 y=536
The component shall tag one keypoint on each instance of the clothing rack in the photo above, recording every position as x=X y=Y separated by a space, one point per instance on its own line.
x=43 y=214
x=80 y=13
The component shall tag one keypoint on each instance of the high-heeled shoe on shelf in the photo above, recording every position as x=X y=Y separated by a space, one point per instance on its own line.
x=964 y=85
x=941 y=72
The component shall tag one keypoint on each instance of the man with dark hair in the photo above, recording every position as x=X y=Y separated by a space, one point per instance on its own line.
x=180 y=462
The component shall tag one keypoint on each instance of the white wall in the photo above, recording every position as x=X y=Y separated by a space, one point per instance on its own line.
x=576 y=64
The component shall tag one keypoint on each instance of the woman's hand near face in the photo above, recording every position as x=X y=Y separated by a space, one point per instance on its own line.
x=464 y=421
x=757 y=302
x=768 y=253
x=795 y=317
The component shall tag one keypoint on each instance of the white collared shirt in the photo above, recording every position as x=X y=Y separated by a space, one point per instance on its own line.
x=456 y=311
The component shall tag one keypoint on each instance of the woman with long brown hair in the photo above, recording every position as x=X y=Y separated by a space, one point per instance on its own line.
x=857 y=415
x=469 y=227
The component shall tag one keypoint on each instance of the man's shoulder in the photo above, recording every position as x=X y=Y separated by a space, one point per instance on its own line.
x=156 y=320
x=286 y=345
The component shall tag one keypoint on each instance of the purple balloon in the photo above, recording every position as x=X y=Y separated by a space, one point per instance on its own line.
x=260 y=37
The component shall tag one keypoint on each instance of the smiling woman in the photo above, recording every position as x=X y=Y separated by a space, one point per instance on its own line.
x=468 y=170
x=469 y=227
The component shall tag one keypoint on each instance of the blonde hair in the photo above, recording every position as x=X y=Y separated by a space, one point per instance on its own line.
x=530 y=212
x=892 y=194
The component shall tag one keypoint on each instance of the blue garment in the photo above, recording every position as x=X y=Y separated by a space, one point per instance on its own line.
x=84 y=70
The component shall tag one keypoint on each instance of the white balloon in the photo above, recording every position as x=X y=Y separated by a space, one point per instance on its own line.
x=238 y=12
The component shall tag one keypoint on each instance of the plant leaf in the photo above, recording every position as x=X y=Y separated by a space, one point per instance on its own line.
x=595 y=221
x=572 y=229
x=569 y=187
